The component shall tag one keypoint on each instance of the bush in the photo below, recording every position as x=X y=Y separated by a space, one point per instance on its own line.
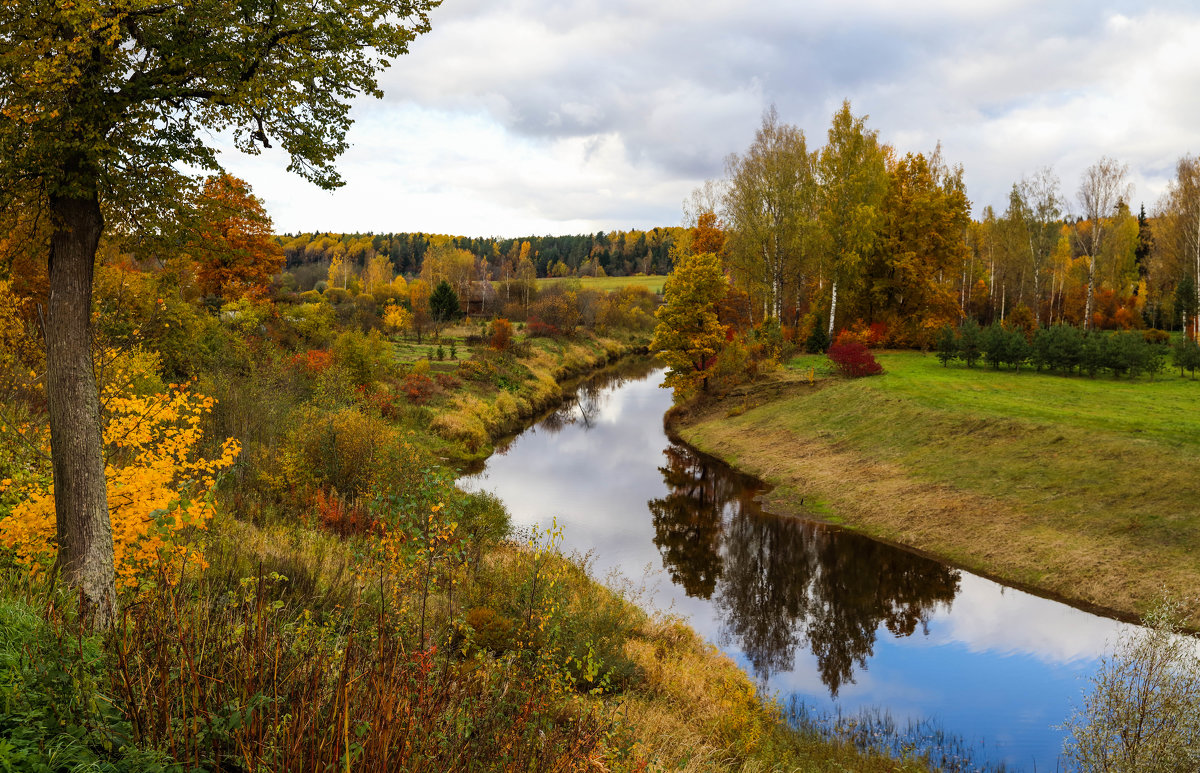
x=853 y=359
x=418 y=388
x=337 y=295
x=1143 y=711
x=501 y=335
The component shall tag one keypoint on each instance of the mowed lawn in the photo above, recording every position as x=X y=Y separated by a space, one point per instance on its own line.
x=1166 y=409
x=607 y=283
x=1089 y=488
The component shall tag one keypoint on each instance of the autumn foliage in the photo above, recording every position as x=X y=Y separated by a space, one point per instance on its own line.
x=159 y=489
x=853 y=359
x=234 y=250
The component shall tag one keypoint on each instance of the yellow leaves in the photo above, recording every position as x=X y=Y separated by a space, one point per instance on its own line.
x=159 y=490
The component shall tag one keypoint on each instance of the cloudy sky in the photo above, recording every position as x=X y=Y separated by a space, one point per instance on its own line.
x=516 y=117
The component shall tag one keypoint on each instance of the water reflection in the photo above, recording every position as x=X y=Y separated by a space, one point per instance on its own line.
x=585 y=402
x=783 y=583
x=825 y=617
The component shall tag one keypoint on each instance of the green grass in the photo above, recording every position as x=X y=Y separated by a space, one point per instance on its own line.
x=608 y=283
x=1084 y=487
x=1164 y=409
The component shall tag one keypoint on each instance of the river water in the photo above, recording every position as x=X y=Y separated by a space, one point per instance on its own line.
x=828 y=620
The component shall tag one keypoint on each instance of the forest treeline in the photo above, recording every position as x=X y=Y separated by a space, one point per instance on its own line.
x=857 y=233
x=615 y=253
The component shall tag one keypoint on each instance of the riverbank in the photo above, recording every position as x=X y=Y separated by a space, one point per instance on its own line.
x=499 y=394
x=1076 y=488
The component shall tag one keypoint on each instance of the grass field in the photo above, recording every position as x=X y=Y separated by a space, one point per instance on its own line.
x=1085 y=488
x=651 y=283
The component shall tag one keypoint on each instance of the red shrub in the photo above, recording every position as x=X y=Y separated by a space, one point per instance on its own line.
x=853 y=359
x=447 y=380
x=536 y=328
x=341 y=516
x=315 y=361
x=418 y=387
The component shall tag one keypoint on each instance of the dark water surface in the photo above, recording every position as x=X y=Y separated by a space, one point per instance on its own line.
x=820 y=615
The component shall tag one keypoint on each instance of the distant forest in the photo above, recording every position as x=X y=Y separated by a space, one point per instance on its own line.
x=616 y=253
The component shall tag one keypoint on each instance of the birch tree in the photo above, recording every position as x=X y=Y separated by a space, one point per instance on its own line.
x=769 y=209
x=853 y=180
x=1101 y=187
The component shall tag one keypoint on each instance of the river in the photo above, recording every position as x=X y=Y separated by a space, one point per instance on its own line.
x=831 y=622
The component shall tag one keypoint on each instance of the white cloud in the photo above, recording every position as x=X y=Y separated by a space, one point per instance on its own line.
x=526 y=116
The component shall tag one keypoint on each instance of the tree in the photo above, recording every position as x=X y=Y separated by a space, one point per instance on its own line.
x=397 y=319
x=418 y=300
x=921 y=248
x=947 y=345
x=969 y=344
x=443 y=304
x=1186 y=302
x=1034 y=213
x=234 y=249
x=1178 y=225
x=1186 y=354
x=853 y=180
x=689 y=334
x=1143 y=710
x=770 y=207
x=1100 y=189
x=104 y=104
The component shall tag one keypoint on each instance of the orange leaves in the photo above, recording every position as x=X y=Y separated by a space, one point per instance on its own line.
x=159 y=489
x=234 y=248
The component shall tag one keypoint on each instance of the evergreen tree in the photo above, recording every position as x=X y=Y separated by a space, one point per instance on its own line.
x=1091 y=354
x=947 y=345
x=818 y=339
x=1016 y=348
x=994 y=342
x=1185 y=302
x=443 y=304
x=1186 y=354
x=969 y=342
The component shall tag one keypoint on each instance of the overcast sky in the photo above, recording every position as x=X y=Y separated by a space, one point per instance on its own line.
x=518 y=117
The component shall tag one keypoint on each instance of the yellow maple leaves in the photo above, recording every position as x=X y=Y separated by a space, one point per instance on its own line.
x=159 y=488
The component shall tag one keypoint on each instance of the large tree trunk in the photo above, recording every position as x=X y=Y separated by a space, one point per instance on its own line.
x=85 y=546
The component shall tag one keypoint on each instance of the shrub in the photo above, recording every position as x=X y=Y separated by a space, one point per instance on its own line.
x=337 y=295
x=1143 y=711
x=334 y=451
x=364 y=356
x=501 y=335
x=418 y=387
x=853 y=359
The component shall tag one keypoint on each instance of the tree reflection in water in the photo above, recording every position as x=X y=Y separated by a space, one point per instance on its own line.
x=583 y=405
x=783 y=582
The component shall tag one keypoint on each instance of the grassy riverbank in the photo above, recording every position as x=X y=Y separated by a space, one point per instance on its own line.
x=1081 y=488
x=346 y=606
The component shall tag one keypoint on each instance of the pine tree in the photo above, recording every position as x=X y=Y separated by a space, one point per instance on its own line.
x=947 y=345
x=818 y=339
x=969 y=343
